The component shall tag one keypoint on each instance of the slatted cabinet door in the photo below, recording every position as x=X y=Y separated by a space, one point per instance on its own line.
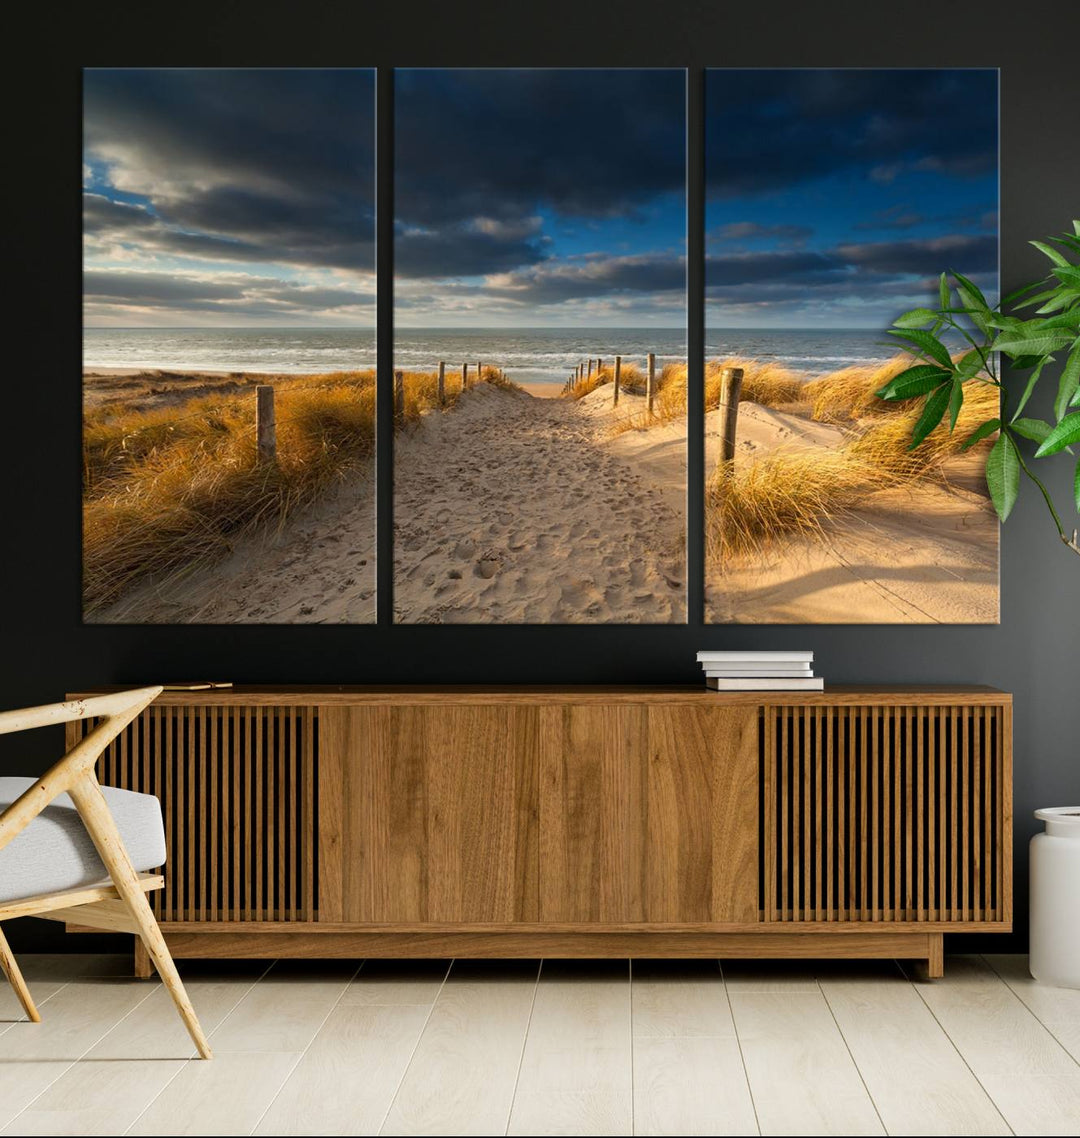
x=434 y=814
x=648 y=814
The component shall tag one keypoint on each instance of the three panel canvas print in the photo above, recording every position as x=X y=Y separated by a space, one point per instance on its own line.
x=540 y=376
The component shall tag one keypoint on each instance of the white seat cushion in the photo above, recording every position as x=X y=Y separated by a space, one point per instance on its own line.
x=55 y=852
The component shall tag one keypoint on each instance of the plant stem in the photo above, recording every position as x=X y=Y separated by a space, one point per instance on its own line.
x=1071 y=543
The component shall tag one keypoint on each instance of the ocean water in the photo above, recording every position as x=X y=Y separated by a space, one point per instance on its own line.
x=525 y=354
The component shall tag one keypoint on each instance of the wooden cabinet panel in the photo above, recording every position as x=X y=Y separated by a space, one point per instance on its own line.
x=648 y=813
x=437 y=815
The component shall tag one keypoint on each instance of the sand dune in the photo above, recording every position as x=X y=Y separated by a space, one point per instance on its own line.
x=515 y=509
x=520 y=509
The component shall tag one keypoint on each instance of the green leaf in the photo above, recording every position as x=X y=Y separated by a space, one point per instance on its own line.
x=980 y=433
x=915 y=318
x=1068 y=274
x=1069 y=384
x=943 y=290
x=1062 y=299
x=1034 y=343
x=969 y=365
x=933 y=411
x=1076 y=227
x=1076 y=487
x=917 y=380
x=1050 y=252
x=956 y=401
x=1064 y=434
x=1023 y=290
x=1032 y=380
x=976 y=302
x=928 y=345
x=1034 y=429
x=1003 y=475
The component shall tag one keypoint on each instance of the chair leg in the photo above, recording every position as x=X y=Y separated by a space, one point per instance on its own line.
x=106 y=838
x=15 y=979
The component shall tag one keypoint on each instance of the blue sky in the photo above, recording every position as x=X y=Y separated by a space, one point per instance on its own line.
x=834 y=197
x=229 y=197
x=540 y=197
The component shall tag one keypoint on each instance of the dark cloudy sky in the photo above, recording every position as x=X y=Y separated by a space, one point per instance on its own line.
x=540 y=197
x=229 y=197
x=835 y=197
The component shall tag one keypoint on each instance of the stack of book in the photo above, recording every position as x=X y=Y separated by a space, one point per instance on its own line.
x=760 y=671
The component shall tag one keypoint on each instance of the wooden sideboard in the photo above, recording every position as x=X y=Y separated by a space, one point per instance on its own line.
x=576 y=821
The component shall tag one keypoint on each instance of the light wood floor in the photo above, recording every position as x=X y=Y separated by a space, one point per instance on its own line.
x=583 y=1047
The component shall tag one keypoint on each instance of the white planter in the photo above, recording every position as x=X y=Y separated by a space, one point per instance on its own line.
x=1055 y=898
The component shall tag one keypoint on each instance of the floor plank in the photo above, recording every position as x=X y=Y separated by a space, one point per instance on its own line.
x=917 y=1080
x=395 y=982
x=576 y=1071
x=679 y=998
x=155 y=1031
x=802 y=1078
x=286 y=1008
x=34 y=1055
x=1057 y=1009
x=461 y=1079
x=227 y=1095
x=1032 y=1079
x=96 y=1097
x=691 y=1084
x=347 y=1078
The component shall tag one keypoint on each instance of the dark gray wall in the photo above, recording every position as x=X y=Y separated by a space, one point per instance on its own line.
x=1034 y=653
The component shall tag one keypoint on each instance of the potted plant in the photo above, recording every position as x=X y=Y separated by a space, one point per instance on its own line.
x=1049 y=334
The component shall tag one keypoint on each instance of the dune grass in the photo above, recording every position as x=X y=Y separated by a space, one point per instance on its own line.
x=756 y=502
x=170 y=488
x=422 y=390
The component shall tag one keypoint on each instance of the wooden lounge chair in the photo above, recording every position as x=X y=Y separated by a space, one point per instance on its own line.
x=72 y=850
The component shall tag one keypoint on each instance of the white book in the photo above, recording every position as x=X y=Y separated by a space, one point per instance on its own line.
x=764 y=684
x=758 y=673
x=756 y=657
x=762 y=669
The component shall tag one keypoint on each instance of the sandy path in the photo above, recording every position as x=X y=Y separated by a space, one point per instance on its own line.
x=514 y=509
x=319 y=570
x=926 y=554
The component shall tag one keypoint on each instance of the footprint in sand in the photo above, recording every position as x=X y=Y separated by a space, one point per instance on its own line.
x=488 y=566
x=545 y=542
x=465 y=549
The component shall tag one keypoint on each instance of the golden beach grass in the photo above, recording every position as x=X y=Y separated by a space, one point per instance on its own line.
x=170 y=488
x=798 y=492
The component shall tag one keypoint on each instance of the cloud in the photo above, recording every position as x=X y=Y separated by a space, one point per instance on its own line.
x=223 y=294
x=261 y=165
x=740 y=231
x=466 y=250
x=594 y=276
x=776 y=129
x=498 y=144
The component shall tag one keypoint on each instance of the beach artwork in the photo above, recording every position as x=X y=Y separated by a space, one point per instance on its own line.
x=834 y=199
x=229 y=346
x=540 y=346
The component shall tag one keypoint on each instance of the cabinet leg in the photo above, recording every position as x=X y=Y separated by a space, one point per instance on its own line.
x=935 y=963
x=143 y=970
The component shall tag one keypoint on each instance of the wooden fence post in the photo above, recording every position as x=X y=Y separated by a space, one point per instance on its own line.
x=442 y=383
x=650 y=383
x=599 y=366
x=265 y=423
x=479 y=371
x=399 y=396
x=589 y=373
x=464 y=377
x=618 y=380
x=730 y=387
